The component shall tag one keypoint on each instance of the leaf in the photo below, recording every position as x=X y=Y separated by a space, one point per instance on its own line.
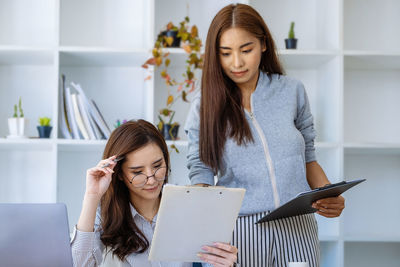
x=174 y=147
x=155 y=52
x=169 y=40
x=165 y=112
x=160 y=125
x=187 y=19
x=184 y=96
x=166 y=54
x=194 y=32
x=170 y=99
x=193 y=59
x=184 y=36
x=190 y=75
x=158 y=61
x=151 y=61
x=145 y=66
x=147 y=78
x=164 y=74
x=187 y=83
x=201 y=61
x=187 y=48
x=167 y=61
x=169 y=26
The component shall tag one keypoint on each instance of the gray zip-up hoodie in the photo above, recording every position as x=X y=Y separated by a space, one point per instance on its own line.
x=272 y=168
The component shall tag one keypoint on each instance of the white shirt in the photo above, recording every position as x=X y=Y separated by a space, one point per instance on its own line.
x=87 y=248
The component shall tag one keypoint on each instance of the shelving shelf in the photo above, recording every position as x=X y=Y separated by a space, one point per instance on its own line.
x=349 y=64
x=328 y=238
x=373 y=148
x=373 y=239
x=25 y=145
x=372 y=60
x=25 y=55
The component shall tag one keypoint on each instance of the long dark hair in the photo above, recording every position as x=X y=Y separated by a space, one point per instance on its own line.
x=120 y=233
x=221 y=112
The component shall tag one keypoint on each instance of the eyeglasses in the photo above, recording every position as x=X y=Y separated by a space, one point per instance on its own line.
x=139 y=180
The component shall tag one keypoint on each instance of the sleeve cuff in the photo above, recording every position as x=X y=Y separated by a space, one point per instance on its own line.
x=202 y=178
x=83 y=241
x=310 y=156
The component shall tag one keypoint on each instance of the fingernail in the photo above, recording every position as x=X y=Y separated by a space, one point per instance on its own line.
x=199 y=255
x=204 y=248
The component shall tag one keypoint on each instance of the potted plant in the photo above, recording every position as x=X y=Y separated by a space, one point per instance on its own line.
x=168 y=129
x=191 y=44
x=17 y=124
x=169 y=37
x=44 y=127
x=291 y=42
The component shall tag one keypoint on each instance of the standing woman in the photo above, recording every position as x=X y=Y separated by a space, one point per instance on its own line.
x=121 y=202
x=252 y=127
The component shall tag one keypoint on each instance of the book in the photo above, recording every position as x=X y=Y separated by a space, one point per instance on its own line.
x=85 y=117
x=94 y=112
x=101 y=119
x=78 y=117
x=64 y=126
x=97 y=131
x=70 y=114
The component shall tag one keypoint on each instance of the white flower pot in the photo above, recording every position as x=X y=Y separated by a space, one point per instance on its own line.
x=16 y=127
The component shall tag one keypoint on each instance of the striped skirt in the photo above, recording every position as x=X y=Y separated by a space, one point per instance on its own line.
x=278 y=242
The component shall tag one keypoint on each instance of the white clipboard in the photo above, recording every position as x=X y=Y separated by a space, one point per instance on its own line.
x=190 y=217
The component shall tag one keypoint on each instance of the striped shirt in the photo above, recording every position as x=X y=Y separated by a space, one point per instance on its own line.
x=278 y=242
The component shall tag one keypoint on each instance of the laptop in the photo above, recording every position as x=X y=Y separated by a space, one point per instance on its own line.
x=34 y=235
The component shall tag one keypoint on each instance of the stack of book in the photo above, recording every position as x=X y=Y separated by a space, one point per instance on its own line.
x=80 y=118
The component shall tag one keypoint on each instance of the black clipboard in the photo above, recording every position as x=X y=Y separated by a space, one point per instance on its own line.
x=302 y=203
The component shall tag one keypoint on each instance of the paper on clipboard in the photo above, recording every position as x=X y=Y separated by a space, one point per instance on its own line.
x=190 y=217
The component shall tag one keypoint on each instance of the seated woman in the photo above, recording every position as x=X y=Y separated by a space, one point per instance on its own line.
x=122 y=198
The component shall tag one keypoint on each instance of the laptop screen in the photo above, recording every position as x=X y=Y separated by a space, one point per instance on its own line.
x=34 y=235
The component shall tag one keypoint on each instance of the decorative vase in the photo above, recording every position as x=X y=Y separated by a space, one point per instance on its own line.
x=170 y=131
x=176 y=40
x=291 y=43
x=44 y=131
x=16 y=127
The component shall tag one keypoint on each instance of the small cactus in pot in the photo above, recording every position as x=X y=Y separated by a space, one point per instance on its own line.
x=44 y=127
x=18 y=123
x=291 y=41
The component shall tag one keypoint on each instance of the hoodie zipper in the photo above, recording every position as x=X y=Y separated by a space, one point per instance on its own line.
x=267 y=155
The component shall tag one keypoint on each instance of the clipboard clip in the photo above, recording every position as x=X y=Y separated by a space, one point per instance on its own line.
x=330 y=185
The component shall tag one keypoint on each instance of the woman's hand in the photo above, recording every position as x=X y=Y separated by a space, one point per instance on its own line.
x=329 y=207
x=219 y=255
x=99 y=178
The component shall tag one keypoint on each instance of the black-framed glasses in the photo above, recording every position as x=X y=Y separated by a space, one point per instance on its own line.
x=139 y=180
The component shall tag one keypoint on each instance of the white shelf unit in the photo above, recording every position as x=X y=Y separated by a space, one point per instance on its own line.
x=349 y=64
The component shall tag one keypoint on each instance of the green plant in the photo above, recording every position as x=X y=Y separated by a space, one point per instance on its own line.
x=171 y=117
x=291 y=31
x=161 y=59
x=21 y=112
x=44 y=121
